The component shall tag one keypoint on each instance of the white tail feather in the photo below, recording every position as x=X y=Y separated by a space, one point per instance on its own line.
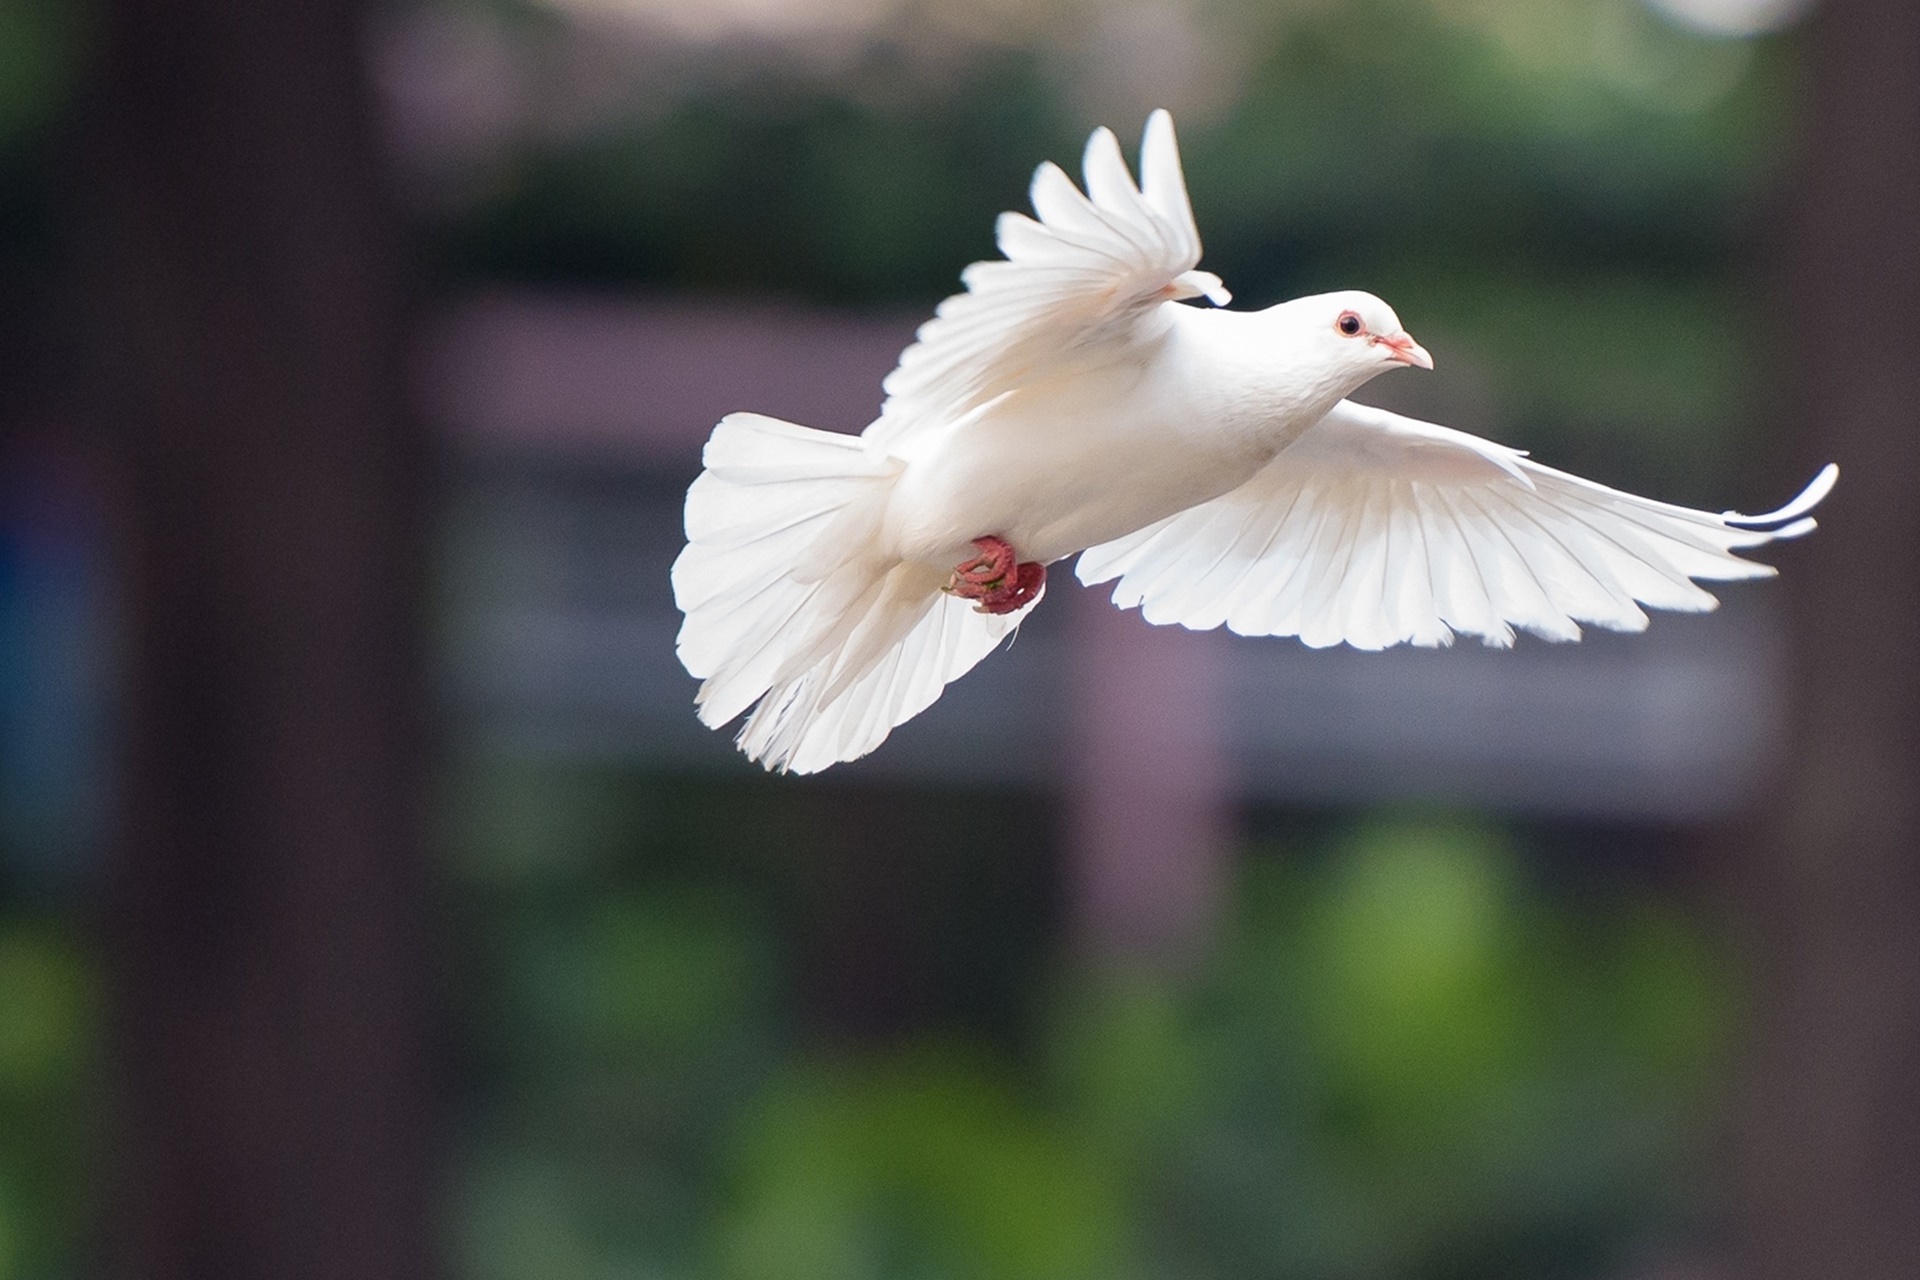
x=790 y=605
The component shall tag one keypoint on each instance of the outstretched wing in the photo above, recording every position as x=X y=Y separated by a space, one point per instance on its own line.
x=1081 y=283
x=1375 y=529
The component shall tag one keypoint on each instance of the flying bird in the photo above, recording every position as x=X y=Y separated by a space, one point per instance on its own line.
x=1074 y=400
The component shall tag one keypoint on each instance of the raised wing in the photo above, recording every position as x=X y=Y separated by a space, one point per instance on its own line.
x=1375 y=529
x=1078 y=284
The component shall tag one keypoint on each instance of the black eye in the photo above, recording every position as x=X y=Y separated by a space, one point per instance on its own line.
x=1348 y=323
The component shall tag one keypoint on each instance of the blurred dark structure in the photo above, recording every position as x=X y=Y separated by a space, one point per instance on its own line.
x=267 y=941
x=270 y=1093
x=1832 y=1126
x=575 y=421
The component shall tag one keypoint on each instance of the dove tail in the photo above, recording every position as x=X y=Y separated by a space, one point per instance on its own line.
x=790 y=604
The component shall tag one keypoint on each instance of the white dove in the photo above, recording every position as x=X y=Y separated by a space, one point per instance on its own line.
x=1068 y=401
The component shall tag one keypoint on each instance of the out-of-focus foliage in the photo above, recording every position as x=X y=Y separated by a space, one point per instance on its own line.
x=781 y=185
x=617 y=1024
x=921 y=1164
x=1401 y=1057
x=50 y=611
x=1363 y=133
x=1403 y=1061
x=623 y=1040
x=1561 y=199
x=48 y=1026
x=40 y=49
x=39 y=45
x=644 y=958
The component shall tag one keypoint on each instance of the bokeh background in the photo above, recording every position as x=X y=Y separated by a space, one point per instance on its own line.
x=371 y=904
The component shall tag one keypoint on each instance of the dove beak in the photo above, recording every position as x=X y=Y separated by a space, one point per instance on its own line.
x=1405 y=350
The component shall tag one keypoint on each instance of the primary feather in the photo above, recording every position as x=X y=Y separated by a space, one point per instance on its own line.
x=1417 y=532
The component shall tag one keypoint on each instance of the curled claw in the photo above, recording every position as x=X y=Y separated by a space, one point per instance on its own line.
x=1025 y=589
x=986 y=570
x=996 y=579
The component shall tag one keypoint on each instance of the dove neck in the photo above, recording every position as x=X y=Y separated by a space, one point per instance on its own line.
x=1261 y=378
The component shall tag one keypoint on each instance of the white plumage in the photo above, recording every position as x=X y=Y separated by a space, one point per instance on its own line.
x=1070 y=402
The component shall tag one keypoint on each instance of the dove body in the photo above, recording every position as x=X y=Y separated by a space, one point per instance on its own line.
x=1180 y=417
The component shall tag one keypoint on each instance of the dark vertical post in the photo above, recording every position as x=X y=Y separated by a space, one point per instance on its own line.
x=265 y=916
x=1831 y=1146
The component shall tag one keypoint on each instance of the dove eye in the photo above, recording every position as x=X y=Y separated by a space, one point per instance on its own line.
x=1349 y=324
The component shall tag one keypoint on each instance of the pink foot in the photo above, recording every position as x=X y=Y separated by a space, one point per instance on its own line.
x=994 y=578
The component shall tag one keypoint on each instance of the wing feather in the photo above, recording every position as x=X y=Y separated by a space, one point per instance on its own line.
x=1162 y=183
x=1364 y=611
x=1374 y=530
x=1080 y=281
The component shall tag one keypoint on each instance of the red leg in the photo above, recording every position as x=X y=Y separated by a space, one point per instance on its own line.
x=996 y=579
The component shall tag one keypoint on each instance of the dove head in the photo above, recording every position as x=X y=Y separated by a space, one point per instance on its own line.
x=1297 y=360
x=1354 y=333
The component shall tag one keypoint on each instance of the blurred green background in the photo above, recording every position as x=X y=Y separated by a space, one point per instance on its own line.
x=691 y=1028
x=1418 y=1045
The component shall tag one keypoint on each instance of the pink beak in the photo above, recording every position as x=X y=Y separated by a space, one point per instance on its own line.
x=1406 y=350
